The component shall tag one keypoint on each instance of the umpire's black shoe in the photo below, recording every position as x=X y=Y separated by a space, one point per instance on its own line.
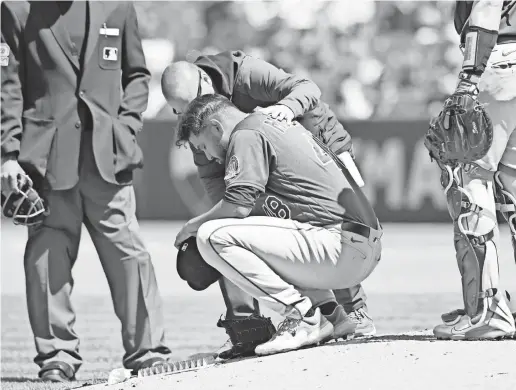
x=150 y=362
x=57 y=372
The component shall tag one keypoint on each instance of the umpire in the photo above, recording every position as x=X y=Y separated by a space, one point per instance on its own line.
x=73 y=92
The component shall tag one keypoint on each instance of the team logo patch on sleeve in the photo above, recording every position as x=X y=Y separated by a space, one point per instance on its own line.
x=233 y=169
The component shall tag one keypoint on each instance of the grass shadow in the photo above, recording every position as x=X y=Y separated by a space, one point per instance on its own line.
x=18 y=379
x=390 y=337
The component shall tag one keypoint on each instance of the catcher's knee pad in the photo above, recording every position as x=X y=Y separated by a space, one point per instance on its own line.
x=465 y=186
x=469 y=196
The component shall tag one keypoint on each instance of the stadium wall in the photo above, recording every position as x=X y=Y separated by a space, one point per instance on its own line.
x=400 y=180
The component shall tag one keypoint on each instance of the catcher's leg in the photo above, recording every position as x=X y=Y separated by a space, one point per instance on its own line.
x=505 y=194
x=469 y=192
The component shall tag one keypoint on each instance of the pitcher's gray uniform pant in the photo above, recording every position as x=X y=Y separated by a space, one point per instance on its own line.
x=287 y=265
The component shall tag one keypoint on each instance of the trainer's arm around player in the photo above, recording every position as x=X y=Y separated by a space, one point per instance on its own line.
x=251 y=83
x=295 y=97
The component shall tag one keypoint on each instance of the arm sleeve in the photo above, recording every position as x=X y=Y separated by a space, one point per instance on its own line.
x=265 y=82
x=211 y=174
x=486 y=14
x=12 y=81
x=249 y=159
x=480 y=35
x=135 y=75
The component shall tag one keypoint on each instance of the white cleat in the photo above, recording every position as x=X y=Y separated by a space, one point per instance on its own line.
x=495 y=322
x=343 y=326
x=294 y=333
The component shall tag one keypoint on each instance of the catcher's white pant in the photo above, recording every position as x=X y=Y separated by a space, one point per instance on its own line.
x=471 y=190
x=288 y=266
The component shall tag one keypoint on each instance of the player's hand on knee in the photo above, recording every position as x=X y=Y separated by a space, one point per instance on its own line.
x=13 y=177
x=278 y=112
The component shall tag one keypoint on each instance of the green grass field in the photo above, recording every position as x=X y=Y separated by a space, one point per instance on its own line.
x=416 y=280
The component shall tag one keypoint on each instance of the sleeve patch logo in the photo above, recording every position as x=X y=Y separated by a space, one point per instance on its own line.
x=4 y=54
x=233 y=169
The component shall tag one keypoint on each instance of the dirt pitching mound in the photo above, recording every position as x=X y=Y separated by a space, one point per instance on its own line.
x=404 y=361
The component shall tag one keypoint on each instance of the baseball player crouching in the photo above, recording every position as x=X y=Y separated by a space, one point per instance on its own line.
x=320 y=232
x=253 y=84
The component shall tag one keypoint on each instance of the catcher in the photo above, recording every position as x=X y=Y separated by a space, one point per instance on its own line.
x=474 y=143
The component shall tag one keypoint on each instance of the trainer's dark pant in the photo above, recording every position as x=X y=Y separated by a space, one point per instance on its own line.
x=108 y=212
x=240 y=304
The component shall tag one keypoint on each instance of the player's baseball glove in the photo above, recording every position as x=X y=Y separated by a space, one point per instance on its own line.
x=462 y=132
x=25 y=207
x=191 y=267
x=246 y=334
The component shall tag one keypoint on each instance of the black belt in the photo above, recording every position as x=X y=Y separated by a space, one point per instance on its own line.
x=504 y=66
x=363 y=230
x=506 y=39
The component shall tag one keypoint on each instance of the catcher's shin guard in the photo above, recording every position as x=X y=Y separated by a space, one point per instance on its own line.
x=469 y=192
x=506 y=199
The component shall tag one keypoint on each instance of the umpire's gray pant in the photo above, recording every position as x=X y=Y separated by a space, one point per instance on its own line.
x=108 y=212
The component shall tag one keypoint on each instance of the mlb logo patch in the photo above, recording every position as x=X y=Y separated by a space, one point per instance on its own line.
x=4 y=50
x=110 y=54
x=233 y=169
x=4 y=54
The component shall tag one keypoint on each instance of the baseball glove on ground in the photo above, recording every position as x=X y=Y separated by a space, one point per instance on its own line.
x=462 y=132
x=25 y=207
x=191 y=267
x=246 y=334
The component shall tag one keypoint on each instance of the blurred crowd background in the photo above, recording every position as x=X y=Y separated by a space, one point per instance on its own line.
x=372 y=60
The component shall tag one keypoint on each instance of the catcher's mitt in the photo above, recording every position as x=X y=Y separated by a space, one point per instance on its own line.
x=462 y=132
x=25 y=207
x=246 y=334
x=191 y=267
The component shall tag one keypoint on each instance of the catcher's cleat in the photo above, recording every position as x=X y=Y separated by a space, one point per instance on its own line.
x=364 y=323
x=494 y=322
x=452 y=317
x=463 y=329
x=343 y=326
x=294 y=333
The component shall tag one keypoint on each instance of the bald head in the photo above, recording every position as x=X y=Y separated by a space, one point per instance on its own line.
x=182 y=82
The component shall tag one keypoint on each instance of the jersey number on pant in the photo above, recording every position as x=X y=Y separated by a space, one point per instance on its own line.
x=323 y=157
x=274 y=207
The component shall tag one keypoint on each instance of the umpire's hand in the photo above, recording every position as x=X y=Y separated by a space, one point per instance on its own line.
x=13 y=176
